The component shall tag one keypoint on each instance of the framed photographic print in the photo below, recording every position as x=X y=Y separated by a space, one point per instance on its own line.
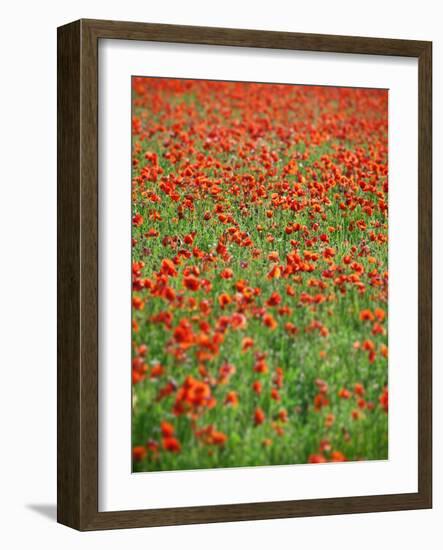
x=244 y=275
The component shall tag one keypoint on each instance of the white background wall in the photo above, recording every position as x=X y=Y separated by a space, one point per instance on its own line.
x=28 y=271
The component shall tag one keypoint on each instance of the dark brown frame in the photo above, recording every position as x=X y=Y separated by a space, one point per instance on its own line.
x=77 y=456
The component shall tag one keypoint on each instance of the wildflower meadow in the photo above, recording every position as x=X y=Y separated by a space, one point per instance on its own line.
x=259 y=274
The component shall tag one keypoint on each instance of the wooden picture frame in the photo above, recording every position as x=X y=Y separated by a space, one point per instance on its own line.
x=78 y=273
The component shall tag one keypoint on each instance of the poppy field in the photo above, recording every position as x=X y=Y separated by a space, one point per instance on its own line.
x=259 y=274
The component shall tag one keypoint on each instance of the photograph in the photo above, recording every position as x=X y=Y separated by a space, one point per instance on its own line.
x=220 y=284
x=259 y=274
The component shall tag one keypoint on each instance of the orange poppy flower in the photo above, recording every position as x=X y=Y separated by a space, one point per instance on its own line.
x=275 y=395
x=171 y=444
x=337 y=456
x=366 y=315
x=275 y=273
x=168 y=267
x=274 y=299
x=257 y=387
x=218 y=438
x=384 y=400
x=329 y=420
x=137 y=303
x=231 y=398
x=344 y=393
x=379 y=313
x=320 y=401
x=316 y=459
x=139 y=453
x=137 y=219
x=238 y=321
x=167 y=429
x=269 y=321
x=227 y=274
x=247 y=343
x=224 y=300
x=191 y=282
x=259 y=416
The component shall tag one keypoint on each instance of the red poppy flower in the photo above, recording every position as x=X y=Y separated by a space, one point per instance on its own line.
x=139 y=453
x=191 y=282
x=259 y=416
x=171 y=444
x=316 y=459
